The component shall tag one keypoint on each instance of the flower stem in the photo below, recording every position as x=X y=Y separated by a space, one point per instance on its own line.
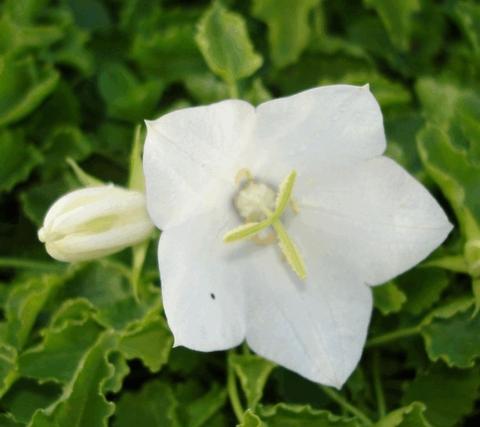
x=233 y=393
x=30 y=264
x=377 y=385
x=393 y=336
x=342 y=402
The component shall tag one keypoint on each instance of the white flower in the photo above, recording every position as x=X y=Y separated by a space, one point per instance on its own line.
x=356 y=220
x=93 y=222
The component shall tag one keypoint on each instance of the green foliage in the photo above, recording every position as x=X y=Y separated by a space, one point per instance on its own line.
x=448 y=394
x=89 y=345
x=253 y=373
x=397 y=18
x=290 y=415
x=224 y=42
x=409 y=416
x=288 y=27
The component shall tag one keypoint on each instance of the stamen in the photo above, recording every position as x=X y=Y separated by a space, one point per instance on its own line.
x=252 y=228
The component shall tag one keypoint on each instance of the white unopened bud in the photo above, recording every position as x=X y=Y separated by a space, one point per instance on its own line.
x=94 y=222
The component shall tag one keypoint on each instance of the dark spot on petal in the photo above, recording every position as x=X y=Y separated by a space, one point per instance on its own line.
x=212 y=296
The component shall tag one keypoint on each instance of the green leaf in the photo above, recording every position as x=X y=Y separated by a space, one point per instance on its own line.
x=433 y=93
x=206 y=88
x=83 y=403
x=201 y=410
x=388 y=298
x=24 y=303
x=253 y=372
x=17 y=38
x=8 y=367
x=449 y=394
x=23 y=85
x=457 y=177
x=453 y=337
x=106 y=285
x=58 y=357
x=148 y=339
x=408 y=416
x=288 y=27
x=126 y=97
x=224 y=42
x=251 y=420
x=62 y=143
x=154 y=405
x=26 y=396
x=121 y=370
x=169 y=49
x=282 y=415
x=7 y=420
x=422 y=287
x=18 y=159
x=38 y=198
x=468 y=16
x=397 y=18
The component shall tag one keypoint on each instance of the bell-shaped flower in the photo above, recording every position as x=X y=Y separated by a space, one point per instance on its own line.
x=94 y=222
x=276 y=222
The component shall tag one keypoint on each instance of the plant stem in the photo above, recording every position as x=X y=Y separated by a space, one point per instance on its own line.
x=233 y=393
x=393 y=336
x=30 y=264
x=342 y=402
x=233 y=89
x=377 y=385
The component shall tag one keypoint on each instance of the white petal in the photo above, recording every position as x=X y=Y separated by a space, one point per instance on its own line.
x=375 y=215
x=201 y=284
x=317 y=327
x=190 y=155
x=338 y=123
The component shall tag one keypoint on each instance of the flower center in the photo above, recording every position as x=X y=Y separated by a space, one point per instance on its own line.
x=262 y=209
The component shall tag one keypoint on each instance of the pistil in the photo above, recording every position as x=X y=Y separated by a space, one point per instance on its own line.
x=255 y=201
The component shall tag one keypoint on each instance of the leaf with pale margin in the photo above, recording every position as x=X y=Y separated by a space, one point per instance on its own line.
x=453 y=336
x=253 y=372
x=457 y=177
x=59 y=355
x=224 y=42
x=24 y=304
x=83 y=403
x=408 y=416
x=283 y=414
x=149 y=340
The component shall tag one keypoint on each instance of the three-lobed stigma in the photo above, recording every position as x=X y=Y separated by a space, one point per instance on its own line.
x=256 y=202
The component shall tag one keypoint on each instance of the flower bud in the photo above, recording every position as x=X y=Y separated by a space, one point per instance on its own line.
x=94 y=222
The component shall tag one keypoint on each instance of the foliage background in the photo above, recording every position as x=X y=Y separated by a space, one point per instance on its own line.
x=76 y=76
